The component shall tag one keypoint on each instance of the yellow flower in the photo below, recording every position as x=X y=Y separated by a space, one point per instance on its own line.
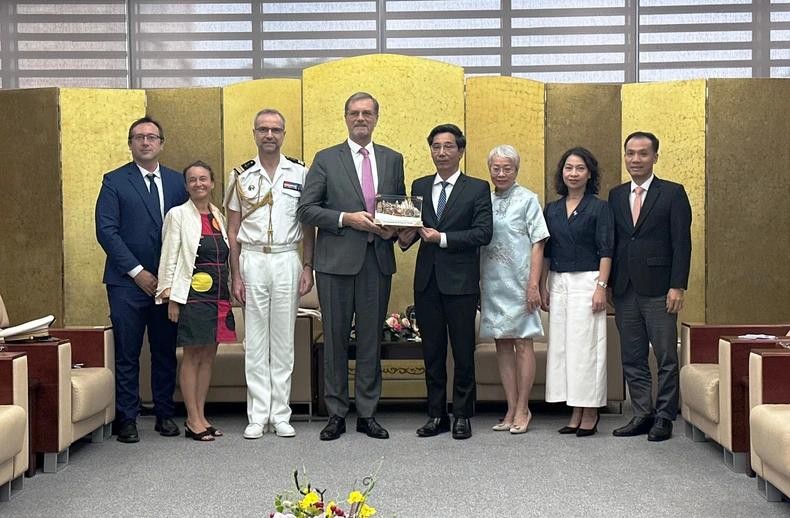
x=355 y=496
x=367 y=511
x=309 y=500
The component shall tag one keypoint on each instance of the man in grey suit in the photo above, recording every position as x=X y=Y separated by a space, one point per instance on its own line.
x=354 y=260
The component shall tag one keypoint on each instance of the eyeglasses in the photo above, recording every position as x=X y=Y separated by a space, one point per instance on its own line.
x=504 y=170
x=146 y=138
x=366 y=113
x=447 y=147
x=264 y=131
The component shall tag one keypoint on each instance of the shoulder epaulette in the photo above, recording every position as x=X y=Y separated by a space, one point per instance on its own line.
x=243 y=167
x=294 y=160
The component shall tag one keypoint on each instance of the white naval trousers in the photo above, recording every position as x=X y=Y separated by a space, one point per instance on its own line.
x=576 y=351
x=271 y=283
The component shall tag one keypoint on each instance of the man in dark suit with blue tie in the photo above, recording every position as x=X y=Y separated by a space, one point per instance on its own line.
x=457 y=221
x=129 y=212
x=650 y=273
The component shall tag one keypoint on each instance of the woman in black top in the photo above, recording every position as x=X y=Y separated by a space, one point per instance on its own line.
x=578 y=258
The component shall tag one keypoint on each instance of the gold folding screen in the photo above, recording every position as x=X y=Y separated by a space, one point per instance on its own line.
x=31 y=253
x=506 y=110
x=747 y=226
x=192 y=120
x=675 y=113
x=240 y=103
x=725 y=140
x=587 y=116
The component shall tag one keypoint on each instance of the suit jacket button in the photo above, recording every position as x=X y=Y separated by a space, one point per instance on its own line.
x=633 y=239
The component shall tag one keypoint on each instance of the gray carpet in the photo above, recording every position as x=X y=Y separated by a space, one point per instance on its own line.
x=492 y=474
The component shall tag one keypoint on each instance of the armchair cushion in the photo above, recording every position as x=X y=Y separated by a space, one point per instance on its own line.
x=13 y=430
x=91 y=392
x=699 y=384
x=770 y=428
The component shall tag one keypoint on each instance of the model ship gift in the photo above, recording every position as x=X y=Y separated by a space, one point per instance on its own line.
x=398 y=211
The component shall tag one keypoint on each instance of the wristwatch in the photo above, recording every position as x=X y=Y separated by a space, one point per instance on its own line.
x=602 y=284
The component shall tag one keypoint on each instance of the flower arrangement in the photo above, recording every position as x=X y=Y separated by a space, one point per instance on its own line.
x=309 y=502
x=401 y=326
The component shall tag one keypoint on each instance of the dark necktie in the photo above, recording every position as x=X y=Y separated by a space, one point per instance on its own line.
x=442 y=200
x=153 y=192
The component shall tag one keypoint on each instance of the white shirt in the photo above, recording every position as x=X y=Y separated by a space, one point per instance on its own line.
x=286 y=187
x=437 y=191
x=358 y=158
x=645 y=186
x=158 y=182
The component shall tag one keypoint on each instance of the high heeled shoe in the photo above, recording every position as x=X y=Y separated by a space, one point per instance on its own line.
x=214 y=432
x=204 y=436
x=519 y=429
x=502 y=427
x=585 y=432
x=568 y=429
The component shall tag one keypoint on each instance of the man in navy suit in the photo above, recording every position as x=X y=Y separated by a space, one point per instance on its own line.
x=457 y=221
x=649 y=276
x=132 y=203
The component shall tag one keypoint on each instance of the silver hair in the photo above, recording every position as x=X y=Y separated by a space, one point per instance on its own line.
x=505 y=151
x=268 y=111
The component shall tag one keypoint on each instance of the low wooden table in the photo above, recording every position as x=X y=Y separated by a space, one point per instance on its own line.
x=401 y=350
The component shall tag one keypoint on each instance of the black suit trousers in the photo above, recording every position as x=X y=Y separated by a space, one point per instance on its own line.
x=437 y=315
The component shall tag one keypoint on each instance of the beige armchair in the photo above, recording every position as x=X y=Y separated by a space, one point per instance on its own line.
x=714 y=385
x=769 y=402
x=76 y=388
x=14 y=446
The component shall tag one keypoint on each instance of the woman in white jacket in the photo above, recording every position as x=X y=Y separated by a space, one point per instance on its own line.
x=193 y=279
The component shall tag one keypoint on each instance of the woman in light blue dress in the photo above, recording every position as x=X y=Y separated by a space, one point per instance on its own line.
x=510 y=268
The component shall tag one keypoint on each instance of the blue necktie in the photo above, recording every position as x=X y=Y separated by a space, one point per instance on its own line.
x=442 y=200
x=154 y=193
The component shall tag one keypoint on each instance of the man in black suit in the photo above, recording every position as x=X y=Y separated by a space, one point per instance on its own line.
x=457 y=221
x=354 y=260
x=649 y=275
x=132 y=204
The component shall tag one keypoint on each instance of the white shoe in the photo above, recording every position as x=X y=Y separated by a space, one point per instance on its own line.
x=284 y=429
x=253 y=431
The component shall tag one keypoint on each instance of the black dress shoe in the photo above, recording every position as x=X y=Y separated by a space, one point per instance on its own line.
x=127 y=432
x=636 y=426
x=462 y=428
x=568 y=430
x=661 y=430
x=333 y=429
x=434 y=426
x=371 y=428
x=166 y=427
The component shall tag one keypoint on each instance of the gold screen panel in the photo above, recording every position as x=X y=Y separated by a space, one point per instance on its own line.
x=94 y=132
x=748 y=241
x=588 y=116
x=675 y=113
x=192 y=120
x=414 y=95
x=31 y=258
x=506 y=110
x=240 y=103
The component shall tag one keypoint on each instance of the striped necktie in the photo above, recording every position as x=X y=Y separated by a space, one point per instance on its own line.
x=442 y=200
